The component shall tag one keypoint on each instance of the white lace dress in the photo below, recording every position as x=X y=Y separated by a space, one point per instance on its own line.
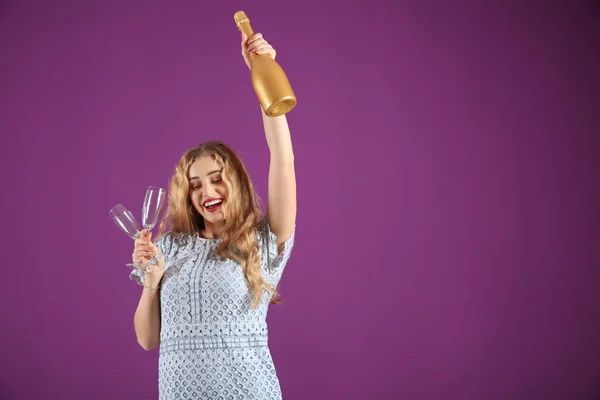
x=212 y=344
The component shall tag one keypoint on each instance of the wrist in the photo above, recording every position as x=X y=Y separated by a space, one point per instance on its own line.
x=152 y=285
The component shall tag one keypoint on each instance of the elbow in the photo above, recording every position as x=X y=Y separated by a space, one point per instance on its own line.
x=283 y=161
x=148 y=345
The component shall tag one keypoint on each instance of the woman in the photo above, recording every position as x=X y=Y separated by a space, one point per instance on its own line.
x=205 y=302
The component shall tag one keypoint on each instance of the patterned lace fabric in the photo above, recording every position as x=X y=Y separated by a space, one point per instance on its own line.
x=213 y=345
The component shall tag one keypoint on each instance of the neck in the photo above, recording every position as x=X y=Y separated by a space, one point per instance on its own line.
x=212 y=231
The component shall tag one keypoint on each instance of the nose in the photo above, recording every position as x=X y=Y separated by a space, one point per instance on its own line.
x=209 y=191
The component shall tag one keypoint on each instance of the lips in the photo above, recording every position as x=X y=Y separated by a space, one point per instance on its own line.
x=213 y=205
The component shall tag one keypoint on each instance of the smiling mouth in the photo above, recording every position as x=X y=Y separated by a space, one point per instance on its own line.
x=213 y=205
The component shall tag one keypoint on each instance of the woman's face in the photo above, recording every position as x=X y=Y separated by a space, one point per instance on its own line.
x=208 y=191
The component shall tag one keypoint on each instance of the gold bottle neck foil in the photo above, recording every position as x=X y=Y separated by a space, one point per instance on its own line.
x=240 y=18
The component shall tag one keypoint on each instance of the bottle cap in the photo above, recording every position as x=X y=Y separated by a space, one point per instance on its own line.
x=240 y=17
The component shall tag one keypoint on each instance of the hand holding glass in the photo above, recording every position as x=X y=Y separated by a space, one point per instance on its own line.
x=124 y=219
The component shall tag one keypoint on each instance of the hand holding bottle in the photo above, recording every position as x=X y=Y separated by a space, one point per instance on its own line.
x=270 y=82
x=256 y=44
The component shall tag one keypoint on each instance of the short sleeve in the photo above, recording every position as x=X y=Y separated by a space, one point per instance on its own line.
x=274 y=260
x=165 y=246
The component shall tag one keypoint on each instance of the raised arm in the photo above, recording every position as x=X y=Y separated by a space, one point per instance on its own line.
x=281 y=205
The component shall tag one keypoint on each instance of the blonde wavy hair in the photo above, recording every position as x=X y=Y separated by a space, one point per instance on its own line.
x=243 y=215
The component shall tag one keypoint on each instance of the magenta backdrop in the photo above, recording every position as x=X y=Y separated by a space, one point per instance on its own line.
x=447 y=159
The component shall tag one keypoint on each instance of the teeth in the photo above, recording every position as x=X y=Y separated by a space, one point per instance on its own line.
x=211 y=203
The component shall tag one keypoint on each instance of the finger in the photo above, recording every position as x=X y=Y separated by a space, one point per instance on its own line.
x=244 y=39
x=256 y=44
x=262 y=45
x=154 y=249
x=141 y=254
x=256 y=40
x=143 y=245
x=145 y=248
x=147 y=253
x=255 y=37
x=141 y=241
x=263 y=49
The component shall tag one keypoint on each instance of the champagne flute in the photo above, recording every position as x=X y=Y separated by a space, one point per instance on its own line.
x=153 y=204
x=125 y=220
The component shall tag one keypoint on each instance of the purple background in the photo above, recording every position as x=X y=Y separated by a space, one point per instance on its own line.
x=447 y=159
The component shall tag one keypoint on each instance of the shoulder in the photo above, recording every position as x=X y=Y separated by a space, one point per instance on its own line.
x=170 y=241
x=269 y=240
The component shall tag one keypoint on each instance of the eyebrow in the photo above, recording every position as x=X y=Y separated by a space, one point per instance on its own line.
x=209 y=174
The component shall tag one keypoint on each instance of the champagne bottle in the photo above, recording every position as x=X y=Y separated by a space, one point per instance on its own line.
x=270 y=83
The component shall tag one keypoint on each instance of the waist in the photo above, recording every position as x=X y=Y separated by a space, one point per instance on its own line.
x=213 y=336
x=212 y=342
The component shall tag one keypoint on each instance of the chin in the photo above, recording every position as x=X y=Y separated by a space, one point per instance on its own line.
x=213 y=219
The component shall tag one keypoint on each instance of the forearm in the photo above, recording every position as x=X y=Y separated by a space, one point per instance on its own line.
x=147 y=319
x=281 y=206
x=279 y=139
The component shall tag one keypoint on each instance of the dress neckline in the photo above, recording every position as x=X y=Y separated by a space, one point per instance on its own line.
x=197 y=236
